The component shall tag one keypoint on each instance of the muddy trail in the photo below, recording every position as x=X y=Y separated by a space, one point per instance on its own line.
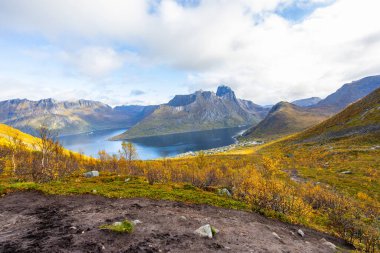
x=33 y=222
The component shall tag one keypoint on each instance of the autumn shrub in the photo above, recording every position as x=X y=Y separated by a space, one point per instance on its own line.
x=270 y=194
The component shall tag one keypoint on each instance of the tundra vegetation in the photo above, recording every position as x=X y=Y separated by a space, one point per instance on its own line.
x=344 y=205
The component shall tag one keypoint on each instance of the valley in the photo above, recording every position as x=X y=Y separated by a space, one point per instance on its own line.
x=152 y=147
x=172 y=126
x=319 y=176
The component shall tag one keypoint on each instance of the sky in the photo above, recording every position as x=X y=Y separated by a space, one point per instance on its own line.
x=146 y=51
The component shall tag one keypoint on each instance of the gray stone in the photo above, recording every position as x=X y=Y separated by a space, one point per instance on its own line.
x=276 y=235
x=346 y=172
x=225 y=192
x=117 y=223
x=204 y=231
x=93 y=173
x=127 y=180
x=301 y=233
x=328 y=244
x=135 y=222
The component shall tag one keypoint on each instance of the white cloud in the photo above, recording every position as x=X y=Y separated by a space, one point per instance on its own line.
x=94 y=61
x=243 y=43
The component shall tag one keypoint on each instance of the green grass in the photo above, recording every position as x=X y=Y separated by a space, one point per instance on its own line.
x=115 y=187
x=120 y=227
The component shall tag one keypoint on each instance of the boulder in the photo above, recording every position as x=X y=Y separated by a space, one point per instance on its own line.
x=204 y=231
x=328 y=244
x=93 y=173
x=346 y=172
x=135 y=222
x=225 y=192
x=276 y=235
x=301 y=233
x=117 y=223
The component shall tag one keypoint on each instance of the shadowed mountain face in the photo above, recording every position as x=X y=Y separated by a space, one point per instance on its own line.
x=306 y=101
x=202 y=110
x=360 y=118
x=349 y=93
x=285 y=118
x=69 y=117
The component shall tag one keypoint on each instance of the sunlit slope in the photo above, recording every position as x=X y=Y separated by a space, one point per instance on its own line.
x=342 y=152
x=7 y=132
x=285 y=118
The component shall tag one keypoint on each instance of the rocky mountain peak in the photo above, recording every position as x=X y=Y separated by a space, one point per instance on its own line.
x=224 y=90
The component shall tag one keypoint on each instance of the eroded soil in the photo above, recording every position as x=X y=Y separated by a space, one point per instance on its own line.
x=33 y=222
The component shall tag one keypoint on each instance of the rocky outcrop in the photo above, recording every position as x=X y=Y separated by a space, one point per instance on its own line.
x=202 y=110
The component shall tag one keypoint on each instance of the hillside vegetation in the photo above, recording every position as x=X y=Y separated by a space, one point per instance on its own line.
x=7 y=133
x=360 y=118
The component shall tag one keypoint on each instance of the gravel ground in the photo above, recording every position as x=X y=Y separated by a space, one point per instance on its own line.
x=34 y=222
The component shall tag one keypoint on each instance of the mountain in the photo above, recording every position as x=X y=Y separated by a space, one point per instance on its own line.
x=306 y=101
x=69 y=117
x=349 y=93
x=360 y=118
x=285 y=118
x=202 y=110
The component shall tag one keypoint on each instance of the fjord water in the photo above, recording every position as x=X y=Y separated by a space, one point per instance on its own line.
x=151 y=147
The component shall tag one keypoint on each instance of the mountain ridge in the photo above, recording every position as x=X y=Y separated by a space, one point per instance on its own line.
x=201 y=110
x=68 y=117
x=283 y=120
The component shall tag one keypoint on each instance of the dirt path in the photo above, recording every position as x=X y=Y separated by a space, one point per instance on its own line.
x=33 y=222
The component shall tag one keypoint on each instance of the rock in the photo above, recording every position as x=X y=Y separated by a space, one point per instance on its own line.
x=183 y=217
x=117 y=223
x=204 y=231
x=301 y=233
x=135 y=222
x=328 y=244
x=93 y=173
x=94 y=191
x=346 y=172
x=225 y=192
x=276 y=235
x=127 y=180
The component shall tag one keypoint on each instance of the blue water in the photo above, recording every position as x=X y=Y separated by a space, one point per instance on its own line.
x=151 y=147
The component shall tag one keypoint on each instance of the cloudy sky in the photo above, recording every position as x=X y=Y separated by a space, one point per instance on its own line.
x=144 y=52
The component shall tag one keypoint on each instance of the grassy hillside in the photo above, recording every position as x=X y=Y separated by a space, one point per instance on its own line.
x=285 y=118
x=343 y=151
x=361 y=117
x=6 y=132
